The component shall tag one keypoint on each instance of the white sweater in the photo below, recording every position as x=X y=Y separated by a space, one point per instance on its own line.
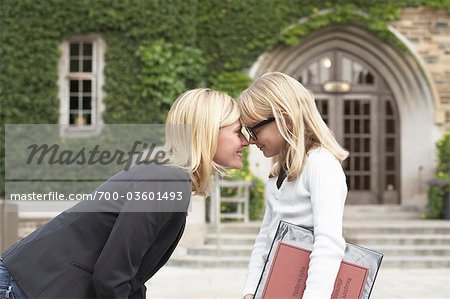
x=315 y=200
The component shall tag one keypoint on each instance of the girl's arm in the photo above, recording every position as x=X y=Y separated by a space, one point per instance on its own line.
x=328 y=191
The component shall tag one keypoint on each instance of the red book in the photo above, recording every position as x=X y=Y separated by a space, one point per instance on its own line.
x=286 y=268
x=289 y=271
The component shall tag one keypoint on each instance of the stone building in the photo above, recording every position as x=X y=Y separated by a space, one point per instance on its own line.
x=386 y=106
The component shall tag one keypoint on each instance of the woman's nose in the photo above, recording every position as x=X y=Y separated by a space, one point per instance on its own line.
x=244 y=142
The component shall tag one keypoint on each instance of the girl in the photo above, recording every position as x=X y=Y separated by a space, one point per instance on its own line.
x=112 y=254
x=307 y=184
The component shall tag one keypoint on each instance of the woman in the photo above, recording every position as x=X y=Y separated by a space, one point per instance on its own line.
x=306 y=186
x=112 y=253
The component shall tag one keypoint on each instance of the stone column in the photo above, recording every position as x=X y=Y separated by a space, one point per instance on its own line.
x=195 y=231
x=9 y=224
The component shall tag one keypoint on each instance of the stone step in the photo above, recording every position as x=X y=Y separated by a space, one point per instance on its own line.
x=231 y=239
x=208 y=261
x=381 y=212
x=230 y=250
x=378 y=209
x=383 y=216
x=371 y=240
x=355 y=227
x=393 y=250
x=414 y=250
x=404 y=262
x=233 y=262
x=368 y=240
x=351 y=231
x=399 y=233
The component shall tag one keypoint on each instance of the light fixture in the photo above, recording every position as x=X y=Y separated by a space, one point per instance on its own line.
x=336 y=86
x=326 y=62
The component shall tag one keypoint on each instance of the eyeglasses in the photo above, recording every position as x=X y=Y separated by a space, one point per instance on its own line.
x=251 y=130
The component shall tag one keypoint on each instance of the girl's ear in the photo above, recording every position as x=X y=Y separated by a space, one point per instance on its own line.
x=288 y=121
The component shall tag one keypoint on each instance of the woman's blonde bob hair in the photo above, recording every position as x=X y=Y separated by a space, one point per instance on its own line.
x=192 y=129
x=279 y=95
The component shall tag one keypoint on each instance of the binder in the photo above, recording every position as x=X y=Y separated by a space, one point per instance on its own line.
x=286 y=269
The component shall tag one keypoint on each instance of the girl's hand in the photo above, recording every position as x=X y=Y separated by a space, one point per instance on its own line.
x=248 y=296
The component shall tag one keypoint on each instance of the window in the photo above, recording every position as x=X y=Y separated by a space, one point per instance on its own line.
x=317 y=72
x=80 y=84
x=355 y=73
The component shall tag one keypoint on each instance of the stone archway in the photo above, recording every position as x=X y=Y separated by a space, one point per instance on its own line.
x=404 y=87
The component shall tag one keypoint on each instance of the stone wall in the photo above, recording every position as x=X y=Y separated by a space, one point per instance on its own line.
x=428 y=30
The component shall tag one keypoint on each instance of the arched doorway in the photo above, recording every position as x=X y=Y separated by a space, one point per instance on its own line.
x=378 y=100
x=359 y=108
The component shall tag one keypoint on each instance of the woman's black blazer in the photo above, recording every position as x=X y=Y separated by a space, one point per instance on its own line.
x=104 y=249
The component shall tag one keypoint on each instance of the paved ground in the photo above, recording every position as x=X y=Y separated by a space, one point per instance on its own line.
x=177 y=283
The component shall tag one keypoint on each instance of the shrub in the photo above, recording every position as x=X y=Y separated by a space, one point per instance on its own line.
x=439 y=186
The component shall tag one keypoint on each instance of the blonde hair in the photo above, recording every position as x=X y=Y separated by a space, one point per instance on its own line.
x=192 y=129
x=277 y=94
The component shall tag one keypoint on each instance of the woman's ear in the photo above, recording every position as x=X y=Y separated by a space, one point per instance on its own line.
x=288 y=121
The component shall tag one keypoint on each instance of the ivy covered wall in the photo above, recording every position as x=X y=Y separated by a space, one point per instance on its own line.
x=205 y=42
x=230 y=34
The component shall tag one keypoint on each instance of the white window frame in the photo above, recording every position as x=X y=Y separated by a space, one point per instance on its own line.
x=97 y=77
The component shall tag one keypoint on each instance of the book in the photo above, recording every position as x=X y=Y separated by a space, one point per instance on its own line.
x=286 y=269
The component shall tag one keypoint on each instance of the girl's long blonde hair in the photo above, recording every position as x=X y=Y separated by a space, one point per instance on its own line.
x=192 y=129
x=279 y=95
